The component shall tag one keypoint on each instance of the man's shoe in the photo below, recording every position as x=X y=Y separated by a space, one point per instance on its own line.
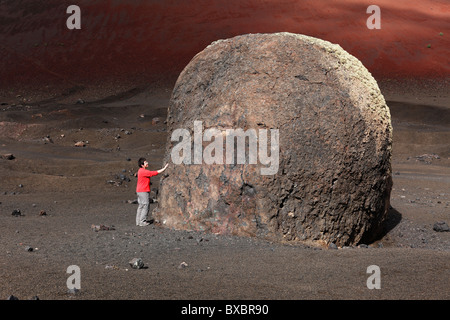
x=143 y=224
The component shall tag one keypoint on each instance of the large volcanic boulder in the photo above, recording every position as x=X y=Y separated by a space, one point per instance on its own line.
x=316 y=113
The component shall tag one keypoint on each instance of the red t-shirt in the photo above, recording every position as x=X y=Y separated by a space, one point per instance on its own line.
x=143 y=182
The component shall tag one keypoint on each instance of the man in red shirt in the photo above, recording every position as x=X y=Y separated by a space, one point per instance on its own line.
x=143 y=191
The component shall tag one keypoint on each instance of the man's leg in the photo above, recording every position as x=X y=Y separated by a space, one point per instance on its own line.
x=142 y=211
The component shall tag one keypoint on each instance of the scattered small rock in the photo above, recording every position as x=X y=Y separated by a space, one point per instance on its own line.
x=427 y=158
x=132 y=201
x=8 y=156
x=42 y=213
x=119 y=179
x=332 y=246
x=102 y=227
x=29 y=249
x=11 y=297
x=182 y=265
x=137 y=263
x=16 y=213
x=47 y=139
x=112 y=267
x=441 y=226
x=124 y=178
x=80 y=144
x=156 y=120
x=80 y=101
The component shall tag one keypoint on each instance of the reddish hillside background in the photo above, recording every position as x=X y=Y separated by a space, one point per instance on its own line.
x=142 y=40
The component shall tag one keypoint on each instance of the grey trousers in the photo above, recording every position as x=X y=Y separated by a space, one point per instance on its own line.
x=143 y=208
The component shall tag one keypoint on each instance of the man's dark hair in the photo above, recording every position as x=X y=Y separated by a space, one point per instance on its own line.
x=141 y=162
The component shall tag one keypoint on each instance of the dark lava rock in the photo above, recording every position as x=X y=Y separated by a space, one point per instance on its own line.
x=441 y=226
x=323 y=115
x=8 y=156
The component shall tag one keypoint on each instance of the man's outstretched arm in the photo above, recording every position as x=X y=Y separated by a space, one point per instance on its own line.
x=161 y=170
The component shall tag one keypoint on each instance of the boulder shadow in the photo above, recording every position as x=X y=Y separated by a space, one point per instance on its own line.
x=392 y=220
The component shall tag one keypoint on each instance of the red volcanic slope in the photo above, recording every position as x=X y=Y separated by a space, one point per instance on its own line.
x=139 y=40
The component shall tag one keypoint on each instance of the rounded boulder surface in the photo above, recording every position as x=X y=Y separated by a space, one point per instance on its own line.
x=317 y=153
